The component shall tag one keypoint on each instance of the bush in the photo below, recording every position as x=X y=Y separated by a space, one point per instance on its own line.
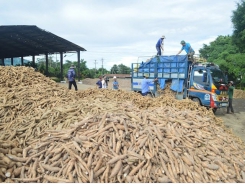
x=56 y=79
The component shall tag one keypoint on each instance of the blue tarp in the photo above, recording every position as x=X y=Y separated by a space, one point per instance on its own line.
x=167 y=64
x=162 y=83
x=177 y=85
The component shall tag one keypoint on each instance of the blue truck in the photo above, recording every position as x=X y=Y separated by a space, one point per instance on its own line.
x=204 y=83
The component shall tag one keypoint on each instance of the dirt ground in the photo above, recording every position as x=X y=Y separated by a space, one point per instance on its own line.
x=235 y=122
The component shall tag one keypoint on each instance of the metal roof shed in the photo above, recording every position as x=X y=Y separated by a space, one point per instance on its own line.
x=23 y=40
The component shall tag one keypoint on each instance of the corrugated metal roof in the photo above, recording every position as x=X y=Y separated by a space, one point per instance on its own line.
x=22 y=40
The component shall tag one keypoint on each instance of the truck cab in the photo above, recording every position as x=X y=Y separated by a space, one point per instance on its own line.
x=204 y=83
x=208 y=85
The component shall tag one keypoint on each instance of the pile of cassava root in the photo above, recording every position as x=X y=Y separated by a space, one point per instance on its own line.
x=51 y=134
x=238 y=93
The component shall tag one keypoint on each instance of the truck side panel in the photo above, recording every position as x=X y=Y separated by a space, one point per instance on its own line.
x=136 y=84
x=161 y=67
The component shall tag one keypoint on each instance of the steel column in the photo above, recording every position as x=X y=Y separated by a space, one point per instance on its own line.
x=22 y=61
x=78 y=65
x=2 y=62
x=46 y=70
x=61 y=66
x=33 y=60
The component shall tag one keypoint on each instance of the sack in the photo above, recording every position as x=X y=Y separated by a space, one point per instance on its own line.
x=70 y=74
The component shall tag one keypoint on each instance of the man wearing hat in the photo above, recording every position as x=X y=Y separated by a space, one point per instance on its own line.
x=99 y=83
x=159 y=45
x=145 y=84
x=115 y=84
x=230 y=94
x=188 y=49
x=71 y=74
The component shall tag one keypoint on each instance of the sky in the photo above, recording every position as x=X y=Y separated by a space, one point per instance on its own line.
x=124 y=31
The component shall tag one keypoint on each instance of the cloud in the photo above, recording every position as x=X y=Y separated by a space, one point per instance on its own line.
x=121 y=31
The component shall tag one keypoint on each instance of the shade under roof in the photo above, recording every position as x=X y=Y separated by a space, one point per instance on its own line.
x=22 y=40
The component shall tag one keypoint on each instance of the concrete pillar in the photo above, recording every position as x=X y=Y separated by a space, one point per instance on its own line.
x=12 y=61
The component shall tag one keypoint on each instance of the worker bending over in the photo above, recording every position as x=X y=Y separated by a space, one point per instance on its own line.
x=188 y=49
x=145 y=84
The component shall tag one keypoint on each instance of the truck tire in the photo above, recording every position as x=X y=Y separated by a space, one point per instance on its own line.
x=150 y=95
x=214 y=110
x=196 y=100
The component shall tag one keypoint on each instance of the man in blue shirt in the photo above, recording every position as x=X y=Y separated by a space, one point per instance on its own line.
x=159 y=46
x=71 y=74
x=188 y=49
x=115 y=84
x=99 y=83
x=145 y=84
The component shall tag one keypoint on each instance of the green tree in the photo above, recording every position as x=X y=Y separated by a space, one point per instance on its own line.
x=236 y=67
x=41 y=68
x=114 y=69
x=102 y=71
x=218 y=51
x=122 y=69
x=223 y=52
x=238 y=20
x=85 y=72
x=228 y=52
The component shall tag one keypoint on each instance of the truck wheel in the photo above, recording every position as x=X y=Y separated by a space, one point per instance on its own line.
x=214 y=110
x=196 y=100
x=150 y=95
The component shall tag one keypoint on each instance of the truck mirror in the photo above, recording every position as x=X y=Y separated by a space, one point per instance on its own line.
x=204 y=77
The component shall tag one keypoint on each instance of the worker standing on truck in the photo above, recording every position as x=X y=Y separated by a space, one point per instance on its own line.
x=145 y=84
x=230 y=94
x=159 y=45
x=188 y=49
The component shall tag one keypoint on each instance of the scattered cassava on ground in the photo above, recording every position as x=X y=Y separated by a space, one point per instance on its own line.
x=51 y=134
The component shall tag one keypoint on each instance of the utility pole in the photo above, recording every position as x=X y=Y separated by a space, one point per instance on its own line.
x=102 y=66
x=95 y=64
